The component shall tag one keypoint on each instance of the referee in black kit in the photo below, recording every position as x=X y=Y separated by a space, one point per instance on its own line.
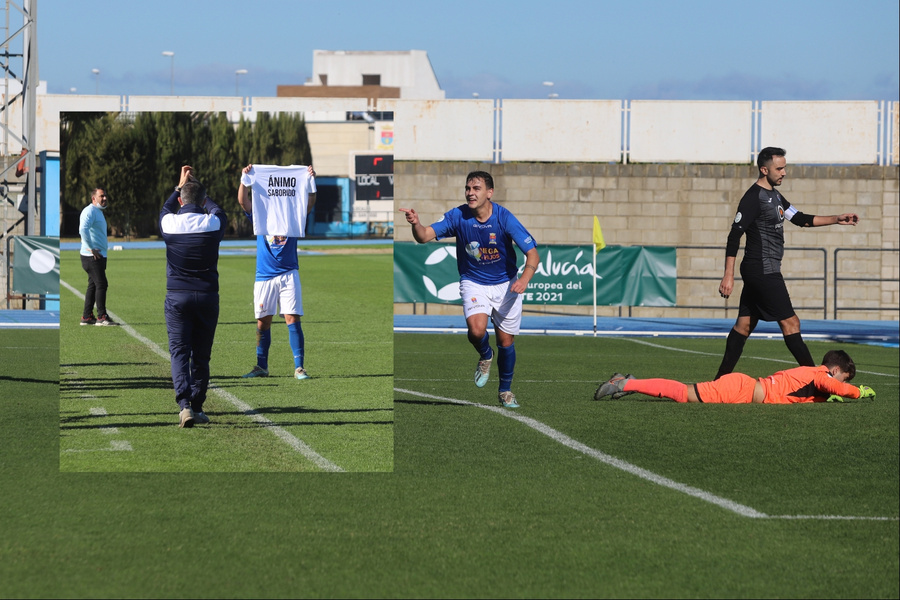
x=761 y=215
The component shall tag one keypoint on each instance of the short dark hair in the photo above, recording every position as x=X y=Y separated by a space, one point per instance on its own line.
x=767 y=154
x=839 y=358
x=192 y=192
x=488 y=180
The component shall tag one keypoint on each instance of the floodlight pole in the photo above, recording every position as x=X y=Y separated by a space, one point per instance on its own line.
x=171 y=54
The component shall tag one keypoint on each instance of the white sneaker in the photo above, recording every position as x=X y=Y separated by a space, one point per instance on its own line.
x=186 y=417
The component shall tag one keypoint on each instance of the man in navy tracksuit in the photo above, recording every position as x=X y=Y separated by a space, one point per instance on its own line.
x=192 y=226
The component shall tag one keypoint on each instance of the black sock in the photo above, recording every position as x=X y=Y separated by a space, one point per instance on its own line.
x=799 y=349
x=734 y=347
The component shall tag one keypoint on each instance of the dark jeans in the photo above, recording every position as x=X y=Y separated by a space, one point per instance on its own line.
x=97 y=284
x=191 y=319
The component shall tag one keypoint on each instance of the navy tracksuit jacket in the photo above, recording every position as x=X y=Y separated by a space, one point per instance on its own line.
x=192 y=235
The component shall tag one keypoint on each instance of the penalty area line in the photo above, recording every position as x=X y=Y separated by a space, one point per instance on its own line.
x=290 y=439
x=561 y=438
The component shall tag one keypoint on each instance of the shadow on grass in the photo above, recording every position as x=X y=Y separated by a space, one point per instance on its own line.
x=107 y=364
x=27 y=380
x=82 y=421
x=95 y=384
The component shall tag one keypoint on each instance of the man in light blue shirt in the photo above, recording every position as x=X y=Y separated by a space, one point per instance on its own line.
x=92 y=229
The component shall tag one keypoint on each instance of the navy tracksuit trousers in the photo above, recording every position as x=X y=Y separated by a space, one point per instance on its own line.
x=191 y=319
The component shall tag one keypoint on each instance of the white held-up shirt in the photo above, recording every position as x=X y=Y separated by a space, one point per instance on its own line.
x=280 y=197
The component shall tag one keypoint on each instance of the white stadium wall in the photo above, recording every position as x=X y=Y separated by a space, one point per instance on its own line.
x=445 y=130
x=690 y=131
x=183 y=103
x=822 y=132
x=533 y=130
x=50 y=105
x=496 y=131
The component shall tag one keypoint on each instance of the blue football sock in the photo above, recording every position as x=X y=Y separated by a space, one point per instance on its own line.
x=484 y=347
x=295 y=334
x=506 y=361
x=263 y=341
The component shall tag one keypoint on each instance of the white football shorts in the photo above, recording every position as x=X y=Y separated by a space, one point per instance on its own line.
x=282 y=290
x=504 y=306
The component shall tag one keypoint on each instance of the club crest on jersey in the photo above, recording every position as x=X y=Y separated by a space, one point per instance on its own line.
x=493 y=239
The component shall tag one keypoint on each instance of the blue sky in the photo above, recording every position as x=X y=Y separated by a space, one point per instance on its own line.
x=628 y=49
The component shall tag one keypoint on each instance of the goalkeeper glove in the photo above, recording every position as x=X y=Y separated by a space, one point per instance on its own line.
x=866 y=392
x=835 y=398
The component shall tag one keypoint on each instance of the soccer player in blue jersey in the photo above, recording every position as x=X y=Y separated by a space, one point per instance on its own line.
x=277 y=283
x=490 y=284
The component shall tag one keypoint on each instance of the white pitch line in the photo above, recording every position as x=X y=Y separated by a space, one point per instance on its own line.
x=107 y=429
x=278 y=431
x=114 y=446
x=557 y=436
x=565 y=440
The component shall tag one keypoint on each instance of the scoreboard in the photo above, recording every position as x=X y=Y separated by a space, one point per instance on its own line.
x=374 y=174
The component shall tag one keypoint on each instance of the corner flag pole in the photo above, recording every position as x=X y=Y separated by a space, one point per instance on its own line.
x=595 y=293
x=599 y=244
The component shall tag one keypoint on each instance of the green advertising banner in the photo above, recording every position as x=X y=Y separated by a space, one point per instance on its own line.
x=35 y=265
x=626 y=275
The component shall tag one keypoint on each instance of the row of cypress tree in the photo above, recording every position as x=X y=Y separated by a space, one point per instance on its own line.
x=137 y=159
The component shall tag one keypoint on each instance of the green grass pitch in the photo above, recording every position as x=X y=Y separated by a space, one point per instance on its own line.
x=480 y=505
x=117 y=407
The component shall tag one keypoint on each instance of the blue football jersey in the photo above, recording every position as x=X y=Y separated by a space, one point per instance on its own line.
x=275 y=255
x=484 y=251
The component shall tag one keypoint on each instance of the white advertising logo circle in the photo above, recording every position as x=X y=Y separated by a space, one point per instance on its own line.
x=450 y=291
x=42 y=261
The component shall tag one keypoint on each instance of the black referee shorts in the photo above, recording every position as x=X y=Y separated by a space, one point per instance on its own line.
x=765 y=297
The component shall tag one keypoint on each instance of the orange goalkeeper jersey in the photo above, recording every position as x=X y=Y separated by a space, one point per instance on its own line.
x=804 y=384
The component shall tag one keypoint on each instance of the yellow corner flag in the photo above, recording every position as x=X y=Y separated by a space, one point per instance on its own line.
x=599 y=244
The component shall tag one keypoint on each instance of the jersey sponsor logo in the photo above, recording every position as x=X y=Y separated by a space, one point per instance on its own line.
x=780 y=212
x=737 y=218
x=480 y=254
x=493 y=239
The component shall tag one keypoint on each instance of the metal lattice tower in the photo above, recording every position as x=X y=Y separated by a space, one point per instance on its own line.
x=19 y=59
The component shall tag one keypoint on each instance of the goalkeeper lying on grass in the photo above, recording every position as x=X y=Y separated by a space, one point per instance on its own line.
x=826 y=383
